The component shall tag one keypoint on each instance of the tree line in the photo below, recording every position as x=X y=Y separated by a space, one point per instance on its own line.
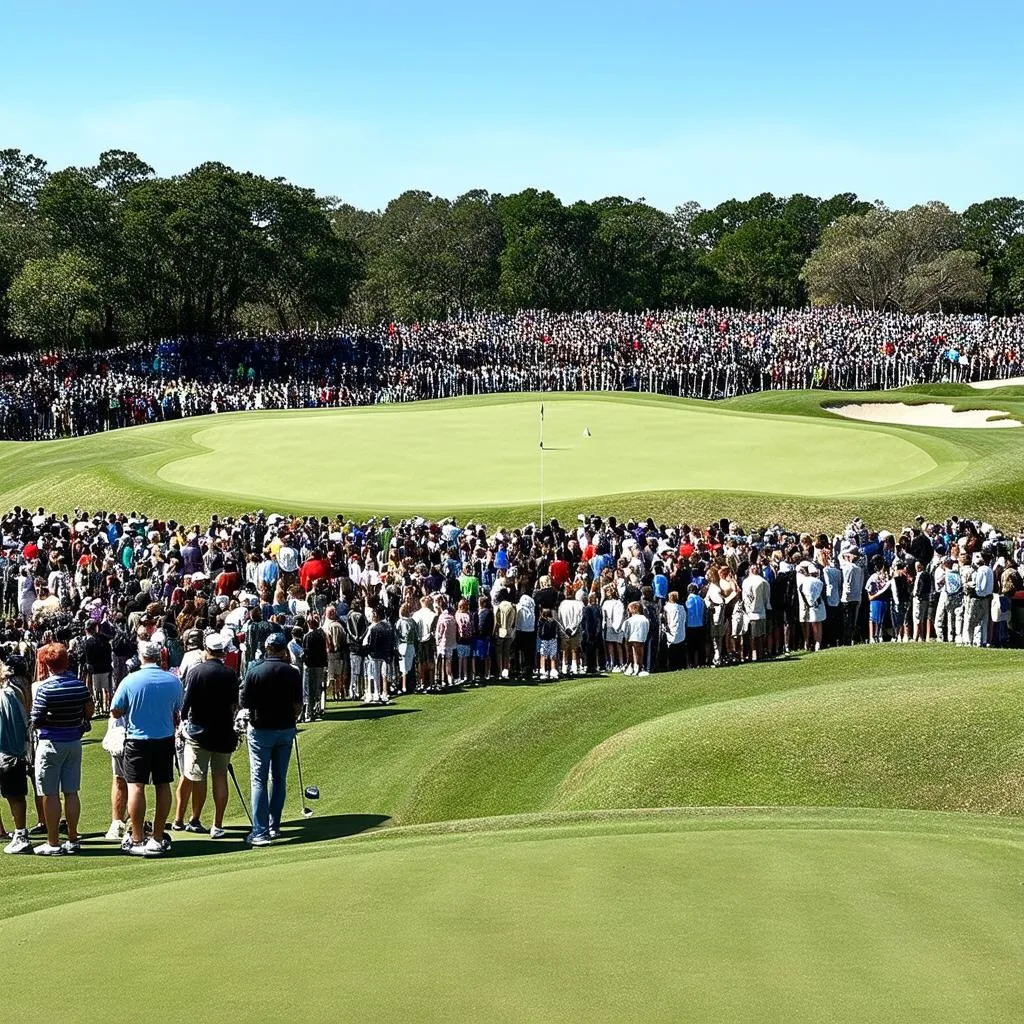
x=112 y=252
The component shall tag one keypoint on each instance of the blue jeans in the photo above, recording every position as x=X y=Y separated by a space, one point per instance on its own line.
x=269 y=753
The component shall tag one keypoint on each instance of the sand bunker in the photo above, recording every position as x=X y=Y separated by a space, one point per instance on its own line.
x=1009 y=382
x=934 y=414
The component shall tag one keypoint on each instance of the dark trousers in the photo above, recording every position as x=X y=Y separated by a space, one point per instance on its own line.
x=850 y=610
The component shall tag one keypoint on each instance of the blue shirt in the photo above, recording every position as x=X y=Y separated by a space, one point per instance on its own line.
x=150 y=698
x=694 y=612
x=58 y=709
x=661 y=586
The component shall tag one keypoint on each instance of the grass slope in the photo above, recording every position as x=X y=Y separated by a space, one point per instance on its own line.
x=773 y=455
x=640 y=919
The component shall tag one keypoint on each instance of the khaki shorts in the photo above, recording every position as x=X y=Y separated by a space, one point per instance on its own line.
x=758 y=628
x=198 y=762
x=101 y=681
x=571 y=643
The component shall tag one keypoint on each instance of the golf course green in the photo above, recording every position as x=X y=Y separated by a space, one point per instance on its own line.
x=776 y=455
x=839 y=839
x=836 y=837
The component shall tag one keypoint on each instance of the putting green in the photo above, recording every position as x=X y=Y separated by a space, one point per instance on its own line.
x=659 y=920
x=486 y=453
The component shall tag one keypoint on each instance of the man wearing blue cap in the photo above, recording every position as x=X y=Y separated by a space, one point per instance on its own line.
x=272 y=694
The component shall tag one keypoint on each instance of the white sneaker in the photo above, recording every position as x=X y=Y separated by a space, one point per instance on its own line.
x=504 y=673
x=643 y=672
x=46 y=850
x=553 y=674
x=616 y=668
x=628 y=670
x=116 y=832
x=216 y=832
x=19 y=843
x=70 y=848
x=150 y=848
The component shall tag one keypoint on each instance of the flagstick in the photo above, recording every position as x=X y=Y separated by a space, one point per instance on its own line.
x=542 y=464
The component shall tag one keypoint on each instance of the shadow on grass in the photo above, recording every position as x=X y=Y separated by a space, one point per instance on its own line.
x=348 y=714
x=294 y=832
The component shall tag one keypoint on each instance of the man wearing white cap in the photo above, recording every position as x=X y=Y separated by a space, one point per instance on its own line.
x=208 y=715
x=149 y=700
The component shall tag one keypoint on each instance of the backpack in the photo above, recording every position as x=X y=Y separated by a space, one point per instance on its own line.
x=123 y=644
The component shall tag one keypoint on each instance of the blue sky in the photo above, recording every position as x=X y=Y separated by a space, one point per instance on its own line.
x=902 y=102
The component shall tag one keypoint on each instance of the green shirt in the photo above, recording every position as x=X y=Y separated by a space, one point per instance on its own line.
x=469 y=586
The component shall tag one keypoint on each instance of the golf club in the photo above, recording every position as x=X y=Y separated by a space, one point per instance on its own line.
x=307 y=794
x=238 y=790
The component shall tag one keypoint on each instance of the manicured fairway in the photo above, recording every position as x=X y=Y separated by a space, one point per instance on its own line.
x=428 y=454
x=665 y=919
x=773 y=456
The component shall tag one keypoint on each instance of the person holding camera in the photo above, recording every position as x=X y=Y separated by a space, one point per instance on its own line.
x=272 y=694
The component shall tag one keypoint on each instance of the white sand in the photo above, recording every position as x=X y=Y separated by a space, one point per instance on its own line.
x=935 y=414
x=1009 y=382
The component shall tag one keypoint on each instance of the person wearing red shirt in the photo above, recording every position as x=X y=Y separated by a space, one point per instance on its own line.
x=316 y=567
x=559 y=570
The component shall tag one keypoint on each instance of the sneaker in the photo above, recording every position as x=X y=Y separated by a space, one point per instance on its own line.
x=62 y=828
x=178 y=826
x=19 y=843
x=643 y=672
x=195 y=827
x=216 y=832
x=553 y=674
x=254 y=840
x=628 y=670
x=504 y=673
x=275 y=833
x=116 y=832
x=39 y=829
x=150 y=848
x=46 y=850
x=71 y=847
x=127 y=842
x=165 y=843
x=616 y=668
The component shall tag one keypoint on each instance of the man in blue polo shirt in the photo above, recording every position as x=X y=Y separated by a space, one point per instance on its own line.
x=61 y=711
x=149 y=700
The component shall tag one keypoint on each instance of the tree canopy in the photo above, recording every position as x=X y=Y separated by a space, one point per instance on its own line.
x=114 y=252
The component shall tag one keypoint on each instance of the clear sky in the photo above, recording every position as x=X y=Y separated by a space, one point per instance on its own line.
x=899 y=101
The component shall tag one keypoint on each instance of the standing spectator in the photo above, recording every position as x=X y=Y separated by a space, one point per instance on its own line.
x=61 y=712
x=208 y=723
x=849 y=598
x=272 y=694
x=149 y=699
x=14 y=766
x=380 y=647
x=314 y=669
x=674 y=616
x=99 y=665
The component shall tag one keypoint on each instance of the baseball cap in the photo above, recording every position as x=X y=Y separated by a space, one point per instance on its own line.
x=216 y=643
x=276 y=640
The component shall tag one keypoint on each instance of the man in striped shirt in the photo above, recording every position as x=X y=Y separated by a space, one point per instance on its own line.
x=61 y=710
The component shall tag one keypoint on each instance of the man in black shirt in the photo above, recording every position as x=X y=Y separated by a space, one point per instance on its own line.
x=208 y=727
x=99 y=664
x=272 y=694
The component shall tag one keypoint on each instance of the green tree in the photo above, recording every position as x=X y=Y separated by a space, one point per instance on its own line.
x=909 y=260
x=995 y=230
x=54 y=300
x=759 y=264
x=477 y=241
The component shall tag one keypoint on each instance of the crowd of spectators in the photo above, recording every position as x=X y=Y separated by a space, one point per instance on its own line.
x=705 y=354
x=103 y=612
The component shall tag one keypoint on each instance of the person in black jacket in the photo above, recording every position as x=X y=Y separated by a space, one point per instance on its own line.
x=314 y=669
x=380 y=646
x=272 y=694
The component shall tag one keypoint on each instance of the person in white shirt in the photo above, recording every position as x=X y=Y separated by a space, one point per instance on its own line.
x=811 y=592
x=635 y=630
x=613 y=619
x=570 y=622
x=757 y=603
x=832 y=578
x=674 y=615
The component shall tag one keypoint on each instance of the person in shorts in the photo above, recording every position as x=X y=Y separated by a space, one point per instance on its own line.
x=14 y=764
x=547 y=643
x=207 y=724
x=61 y=711
x=149 y=699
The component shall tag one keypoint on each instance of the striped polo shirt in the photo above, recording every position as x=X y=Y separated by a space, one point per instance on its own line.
x=58 y=708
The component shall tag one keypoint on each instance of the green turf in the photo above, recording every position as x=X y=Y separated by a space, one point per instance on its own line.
x=464 y=864
x=773 y=455
x=679 y=918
